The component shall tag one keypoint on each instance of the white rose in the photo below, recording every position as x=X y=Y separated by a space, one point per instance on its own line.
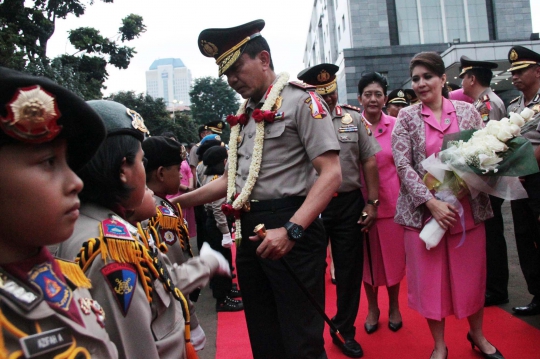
x=516 y=119
x=494 y=144
x=505 y=133
x=515 y=130
x=505 y=120
x=492 y=127
x=488 y=162
x=527 y=114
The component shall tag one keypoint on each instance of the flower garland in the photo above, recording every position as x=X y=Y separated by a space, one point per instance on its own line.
x=240 y=200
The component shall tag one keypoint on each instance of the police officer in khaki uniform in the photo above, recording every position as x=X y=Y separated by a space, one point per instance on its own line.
x=294 y=125
x=476 y=77
x=342 y=218
x=525 y=69
x=139 y=289
x=46 y=309
x=397 y=99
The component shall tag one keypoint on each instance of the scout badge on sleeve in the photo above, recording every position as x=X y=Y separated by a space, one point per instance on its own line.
x=122 y=279
x=315 y=105
x=53 y=289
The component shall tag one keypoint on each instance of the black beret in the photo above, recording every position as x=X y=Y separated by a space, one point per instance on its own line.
x=398 y=97
x=469 y=64
x=205 y=146
x=161 y=151
x=521 y=57
x=37 y=110
x=226 y=45
x=323 y=76
x=214 y=155
x=120 y=120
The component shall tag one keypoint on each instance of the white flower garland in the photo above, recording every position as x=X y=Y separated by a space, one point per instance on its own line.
x=256 y=158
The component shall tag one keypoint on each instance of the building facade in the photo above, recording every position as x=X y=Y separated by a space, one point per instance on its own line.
x=362 y=36
x=170 y=80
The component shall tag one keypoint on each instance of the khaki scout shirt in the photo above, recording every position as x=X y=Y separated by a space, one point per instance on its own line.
x=147 y=330
x=15 y=299
x=518 y=105
x=289 y=147
x=356 y=145
x=490 y=106
x=193 y=158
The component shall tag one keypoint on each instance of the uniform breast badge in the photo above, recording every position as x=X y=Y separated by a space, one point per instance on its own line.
x=346 y=119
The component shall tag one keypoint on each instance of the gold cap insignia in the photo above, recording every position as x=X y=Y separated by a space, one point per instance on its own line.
x=209 y=48
x=138 y=122
x=346 y=119
x=32 y=116
x=323 y=76
x=400 y=94
x=513 y=55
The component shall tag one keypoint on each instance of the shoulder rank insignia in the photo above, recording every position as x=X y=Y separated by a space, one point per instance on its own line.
x=302 y=85
x=315 y=105
x=514 y=100
x=122 y=280
x=113 y=228
x=351 y=107
x=536 y=98
x=339 y=111
x=55 y=291
x=18 y=292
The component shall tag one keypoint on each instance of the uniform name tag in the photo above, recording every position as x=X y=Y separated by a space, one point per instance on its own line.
x=39 y=344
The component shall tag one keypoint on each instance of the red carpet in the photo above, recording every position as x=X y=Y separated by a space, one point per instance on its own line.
x=512 y=336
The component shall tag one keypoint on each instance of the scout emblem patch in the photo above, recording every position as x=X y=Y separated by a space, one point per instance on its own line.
x=115 y=229
x=54 y=290
x=315 y=105
x=38 y=344
x=122 y=279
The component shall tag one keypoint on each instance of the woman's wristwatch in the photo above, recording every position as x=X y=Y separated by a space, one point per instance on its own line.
x=374 y=202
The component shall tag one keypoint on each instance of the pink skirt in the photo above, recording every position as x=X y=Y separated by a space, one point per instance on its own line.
x=446 y=280
x=387 y=254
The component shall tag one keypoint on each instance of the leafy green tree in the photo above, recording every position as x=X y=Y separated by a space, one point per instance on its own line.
x=212 y=99
x=26 y=27
x=156 y=117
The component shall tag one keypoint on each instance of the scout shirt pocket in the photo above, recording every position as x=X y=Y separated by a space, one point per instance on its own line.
x=169 y=315
x=275 y=143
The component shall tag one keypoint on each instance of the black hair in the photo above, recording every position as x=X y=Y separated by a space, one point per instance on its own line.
x=169 y=134
x=431 y=61
x=370 y=78
x=483 y=76
x=217 y=169
x=101 y=176
x=255 y=46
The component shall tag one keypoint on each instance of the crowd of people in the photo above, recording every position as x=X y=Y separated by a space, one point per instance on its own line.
x=97 y=215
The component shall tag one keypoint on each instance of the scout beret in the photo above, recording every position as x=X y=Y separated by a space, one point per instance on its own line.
x=521 y=57
x=227 y=45
x=161 y=151
x=397 y=97
x=322 y=76
x=214 y=126
x=37 y=110
x=120 y=120
x=214 y=155
x=469 y=64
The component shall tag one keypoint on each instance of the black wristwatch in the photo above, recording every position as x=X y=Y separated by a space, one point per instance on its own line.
x=294 y=231
x=374 y=202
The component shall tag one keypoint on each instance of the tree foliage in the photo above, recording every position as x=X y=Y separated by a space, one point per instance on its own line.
x=26 y=27
x=156 y=117
x=212 y=99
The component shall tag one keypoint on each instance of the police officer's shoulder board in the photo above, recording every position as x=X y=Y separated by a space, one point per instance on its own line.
x=514 y=100
x=485 y=98
x=302 y=85
x=351 y=107
x=16 y=291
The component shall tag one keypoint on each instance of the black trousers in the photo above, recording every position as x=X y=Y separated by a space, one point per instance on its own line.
x=200 y=222
x=340 y=222
x=496 y=252
x=525 y=213
x=282 y=322
x=221 y=285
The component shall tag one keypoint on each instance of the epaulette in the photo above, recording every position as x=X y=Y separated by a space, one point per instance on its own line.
x=351 y=107
x=536 y=98
x=302 y=85
x=73 y=273
x=514 y=100
x=18 y=292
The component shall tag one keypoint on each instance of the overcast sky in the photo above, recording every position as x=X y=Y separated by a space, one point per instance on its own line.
x=173 y=27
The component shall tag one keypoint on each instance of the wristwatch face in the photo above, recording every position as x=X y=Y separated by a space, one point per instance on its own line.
x=296 y=232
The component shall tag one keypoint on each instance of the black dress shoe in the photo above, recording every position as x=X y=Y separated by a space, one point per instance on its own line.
x=533 y=308
x=235 y=293
x=350 y=348
x=395 y=326
x=370 y=329
x=492 y=299
x=496 y=355
x=333 y=280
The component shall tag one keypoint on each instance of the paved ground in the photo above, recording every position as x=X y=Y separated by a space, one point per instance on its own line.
x=517 y=289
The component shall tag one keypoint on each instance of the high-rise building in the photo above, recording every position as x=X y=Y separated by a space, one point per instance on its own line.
x=170 y=80
x=363 y=36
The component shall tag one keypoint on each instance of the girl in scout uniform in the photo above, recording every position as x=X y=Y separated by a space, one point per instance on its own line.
x=46 y=310
x=140 y=290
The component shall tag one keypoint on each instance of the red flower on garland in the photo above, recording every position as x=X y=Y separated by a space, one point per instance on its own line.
x=228 y=210
x=267 y=116
x=235 y=120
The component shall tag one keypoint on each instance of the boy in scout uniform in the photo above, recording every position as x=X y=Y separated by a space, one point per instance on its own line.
x=525 y=69
x=46 y=133
x=270 y=185
x=343 y=218
x=476 y=77
x=397 y=99
x=139 y=288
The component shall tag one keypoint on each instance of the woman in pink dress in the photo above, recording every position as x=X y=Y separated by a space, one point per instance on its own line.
x=447 y=279
x=384 y=252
